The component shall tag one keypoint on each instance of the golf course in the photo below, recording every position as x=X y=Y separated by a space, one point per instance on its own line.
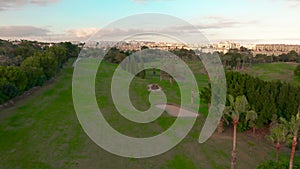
x=42 y=130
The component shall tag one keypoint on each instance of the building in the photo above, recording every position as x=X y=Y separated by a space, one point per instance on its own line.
x=275 y=49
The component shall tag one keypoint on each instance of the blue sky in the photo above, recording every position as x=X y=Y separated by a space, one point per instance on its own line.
x=273 y=21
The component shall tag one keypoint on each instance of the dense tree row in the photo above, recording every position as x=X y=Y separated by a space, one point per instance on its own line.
x=292 y=56
x=238 y=60
x=34 y=67
x=265 y=97
x=235 y=60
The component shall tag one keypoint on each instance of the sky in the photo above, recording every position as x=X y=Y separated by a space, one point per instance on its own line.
x=244 y=21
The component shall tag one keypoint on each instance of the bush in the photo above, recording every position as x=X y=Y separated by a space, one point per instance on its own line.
x=274 y=165
x=3 y=98
x=297 y=71
x=9 y=90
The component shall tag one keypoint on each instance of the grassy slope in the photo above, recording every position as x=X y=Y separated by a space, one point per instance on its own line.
x=274 y=71
x=43 y=132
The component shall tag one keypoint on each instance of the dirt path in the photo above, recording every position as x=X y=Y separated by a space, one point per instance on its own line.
x=176 y=111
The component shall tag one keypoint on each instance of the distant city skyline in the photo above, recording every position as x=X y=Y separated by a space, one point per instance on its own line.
x=244 y=21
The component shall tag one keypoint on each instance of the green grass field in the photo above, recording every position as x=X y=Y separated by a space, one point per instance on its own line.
x=42 y=131
x=274 y=71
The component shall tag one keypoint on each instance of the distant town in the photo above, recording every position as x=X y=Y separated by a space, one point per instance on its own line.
x=221 y=47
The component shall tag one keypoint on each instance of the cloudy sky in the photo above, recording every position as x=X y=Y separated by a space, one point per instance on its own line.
x=249 y=21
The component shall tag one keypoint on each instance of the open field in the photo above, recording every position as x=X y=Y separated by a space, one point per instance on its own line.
x=274 y=71
x=42 y=131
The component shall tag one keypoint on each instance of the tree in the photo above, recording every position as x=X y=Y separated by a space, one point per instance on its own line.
x=236 y=107
x=244 y=59
x=58 y=53
x=8 y=91
x=72 y=50
x=297 y=71
x=238 y=63
x=34 y=72
x=49 y=65
x=223 y=119
x=251 y=116
x=15 y=76
x=292 y=56
x=206 y=95
x=293 y=127
x=144 y=47
x=119 y=57
x=278 y=135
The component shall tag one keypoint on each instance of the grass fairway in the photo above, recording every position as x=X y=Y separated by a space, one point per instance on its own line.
x=274 y=71
x=42 y=131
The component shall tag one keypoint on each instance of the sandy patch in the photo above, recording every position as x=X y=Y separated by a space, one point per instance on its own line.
x=176 y=111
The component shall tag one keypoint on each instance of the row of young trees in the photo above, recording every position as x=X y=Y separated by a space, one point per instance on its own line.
x=282 y=130
x=33 y=70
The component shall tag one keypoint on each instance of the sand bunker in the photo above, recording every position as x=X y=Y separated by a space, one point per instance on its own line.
x=174 y=111
x=153 y=88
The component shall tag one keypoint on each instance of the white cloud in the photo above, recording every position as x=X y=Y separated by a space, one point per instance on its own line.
x=82 y=32
x=44 y=34
x=14 y=4
x=218 y=22
x=22 y=31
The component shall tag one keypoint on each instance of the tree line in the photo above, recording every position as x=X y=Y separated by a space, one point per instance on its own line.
x=238 y=60
x=265 y=97
x=28 y=66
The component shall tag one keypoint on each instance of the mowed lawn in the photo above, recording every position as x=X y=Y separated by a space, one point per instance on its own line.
x=274 y=71
x=42 y=131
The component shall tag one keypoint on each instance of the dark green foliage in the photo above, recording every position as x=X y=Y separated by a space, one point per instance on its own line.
x=34 y=71
x=115 y=55
x=292 y=56
x=8 y=90
x=242 y=125
x=13 y=75
x=72 y=50
x=297 y=71
x=144 y=47
x=205 y=94
x=142 y=74
x=28 y=65
x=271 y=165
x=267 y=98
x=185 y=54
x=58 y=54
x=237 y=60
x=274 y=165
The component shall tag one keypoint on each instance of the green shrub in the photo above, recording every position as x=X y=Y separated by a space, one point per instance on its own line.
x=297 y=71
x=280 y=165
